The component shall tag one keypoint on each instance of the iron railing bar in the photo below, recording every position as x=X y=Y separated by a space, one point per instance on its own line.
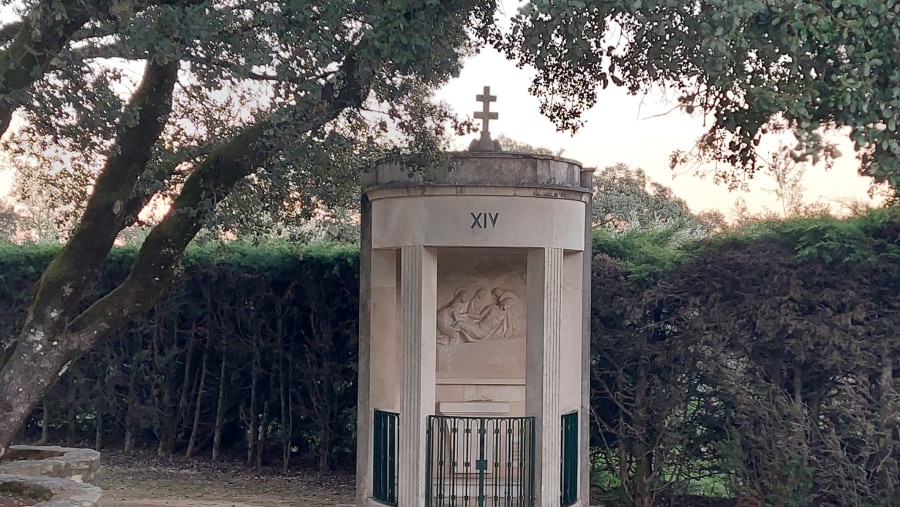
x=500 y=450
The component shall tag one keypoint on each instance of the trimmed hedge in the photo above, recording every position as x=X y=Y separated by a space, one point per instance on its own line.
x=764 y=358
x=279 y=321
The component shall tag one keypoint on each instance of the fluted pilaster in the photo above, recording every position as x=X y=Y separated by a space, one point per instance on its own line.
x=418 y=298
x=545 y=283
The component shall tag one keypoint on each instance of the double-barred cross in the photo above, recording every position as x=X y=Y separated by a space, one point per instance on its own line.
x=485 y=115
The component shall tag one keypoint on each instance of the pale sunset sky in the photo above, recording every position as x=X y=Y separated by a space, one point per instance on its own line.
x=620 y=128
x=635 y=131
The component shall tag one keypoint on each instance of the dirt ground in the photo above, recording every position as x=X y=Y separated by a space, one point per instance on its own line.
x=151 y=482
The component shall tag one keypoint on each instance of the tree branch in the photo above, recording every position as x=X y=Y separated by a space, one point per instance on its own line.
x=120 y=50
x=71 y=271
x=40 y=37
x=68 y=275
x=209 y=184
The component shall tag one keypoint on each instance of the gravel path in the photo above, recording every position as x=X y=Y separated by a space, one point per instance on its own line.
x=147 y=481
x=174 y=502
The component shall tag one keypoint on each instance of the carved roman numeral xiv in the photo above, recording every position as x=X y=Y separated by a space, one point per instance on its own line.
x=483 y=219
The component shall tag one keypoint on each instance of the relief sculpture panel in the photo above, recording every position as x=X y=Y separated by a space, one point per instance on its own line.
x=481 y=314
x=475 y=314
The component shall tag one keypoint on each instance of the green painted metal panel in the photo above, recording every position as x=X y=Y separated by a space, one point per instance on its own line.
x=384 y=457
x=569 y=464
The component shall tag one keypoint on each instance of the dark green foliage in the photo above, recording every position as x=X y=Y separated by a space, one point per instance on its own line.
x=765 y=357
x=764 y=360
x=265 y=310
x=750 y=66
x=645 y=252
x=20 y=267
x=651 y=415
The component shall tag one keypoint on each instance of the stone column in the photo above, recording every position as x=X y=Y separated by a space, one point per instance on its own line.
x=542 y=378
x=584 y=479
x=363 y=420
x=418 y=295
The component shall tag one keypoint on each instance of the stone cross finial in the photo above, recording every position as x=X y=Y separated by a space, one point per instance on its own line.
x=485 y=115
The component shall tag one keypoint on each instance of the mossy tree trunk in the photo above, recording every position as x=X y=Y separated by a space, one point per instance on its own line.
x=64 y=320
x=57 y=330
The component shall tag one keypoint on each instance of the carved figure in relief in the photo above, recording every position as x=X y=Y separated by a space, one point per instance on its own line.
x=493 y=322
x=449 y=315
x=481 y=318
x=478 y=303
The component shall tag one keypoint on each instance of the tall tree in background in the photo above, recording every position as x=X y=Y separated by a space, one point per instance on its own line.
x=749 y=66
x=509 y=144
x=9 y=221
x=626 y=199
x=785 y=173
x=314 y=65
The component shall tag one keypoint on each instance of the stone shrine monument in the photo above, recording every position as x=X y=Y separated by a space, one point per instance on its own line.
x=474 y=331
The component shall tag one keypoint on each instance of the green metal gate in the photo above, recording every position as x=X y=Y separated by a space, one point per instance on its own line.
x=480 y=462
x=569 y=465
x=384 y=457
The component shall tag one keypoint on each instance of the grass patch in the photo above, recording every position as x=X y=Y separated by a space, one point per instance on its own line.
x=31 y=491
x=703 y=483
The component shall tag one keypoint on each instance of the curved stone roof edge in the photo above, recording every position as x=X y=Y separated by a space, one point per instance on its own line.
x=514 y=154
x=472 y=169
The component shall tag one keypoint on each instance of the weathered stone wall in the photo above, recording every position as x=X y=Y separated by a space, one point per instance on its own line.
x=79 y=465
x=69 y=474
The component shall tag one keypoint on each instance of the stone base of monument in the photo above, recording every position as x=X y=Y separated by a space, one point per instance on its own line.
x=67 y=476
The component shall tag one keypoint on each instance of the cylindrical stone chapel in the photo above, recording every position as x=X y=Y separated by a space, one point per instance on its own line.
x=474 y=332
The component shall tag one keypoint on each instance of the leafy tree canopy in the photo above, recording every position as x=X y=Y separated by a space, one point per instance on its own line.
x=509 y=144
x=8 y=221
x=752 y=66
x=627 y=198
x=238 y=64
x=230 y=94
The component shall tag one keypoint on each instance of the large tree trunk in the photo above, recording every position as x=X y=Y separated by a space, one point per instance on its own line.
x=52 y=335
x=58 y=328
x=24 y=380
